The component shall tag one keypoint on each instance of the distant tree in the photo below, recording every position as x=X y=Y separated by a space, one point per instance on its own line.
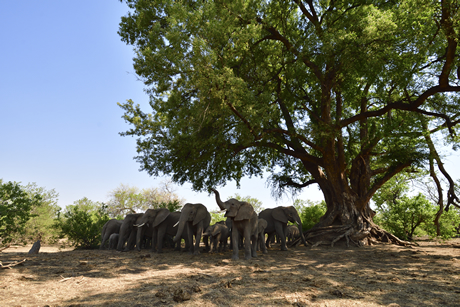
x=44 y=213
x=15 y=210
x=257 y=204
x=82 y=222
x=126 y=199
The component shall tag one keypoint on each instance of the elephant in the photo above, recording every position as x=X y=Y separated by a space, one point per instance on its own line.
x=277 y=219
x=292 y=233
x=161 y=222
x=219 y=235
x=261 y=225
x=244 y=221
x=128 y=232
x=195 y=218
x=113 y=240
x=112 y=226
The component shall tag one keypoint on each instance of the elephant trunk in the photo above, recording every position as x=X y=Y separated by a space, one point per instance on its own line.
x=139 y=237
x=181 y=223
x=219 y=202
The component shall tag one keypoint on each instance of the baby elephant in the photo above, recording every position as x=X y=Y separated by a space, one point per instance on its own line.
x=113 y=241
x=292 y=233
x=218 y=233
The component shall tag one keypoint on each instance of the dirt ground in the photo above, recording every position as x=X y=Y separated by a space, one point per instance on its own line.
x=382 y=275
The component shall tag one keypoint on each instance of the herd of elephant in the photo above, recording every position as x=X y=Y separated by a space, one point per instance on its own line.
x=242 y=225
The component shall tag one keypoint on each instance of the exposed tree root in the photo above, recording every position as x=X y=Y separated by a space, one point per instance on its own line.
x=333 y=234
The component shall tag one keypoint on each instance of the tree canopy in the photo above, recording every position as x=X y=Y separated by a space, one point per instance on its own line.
x=343 y=94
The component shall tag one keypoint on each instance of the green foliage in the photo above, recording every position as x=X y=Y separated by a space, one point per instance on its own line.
x=172 y=205
x=217 y=216
x=15 y=210
x=125 y=199
x=311 y=213
x=256 y=204
x=40 y=225
x=82 y=222
x=404 y=216
x=449 y=224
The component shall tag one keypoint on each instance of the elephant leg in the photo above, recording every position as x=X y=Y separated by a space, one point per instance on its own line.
x=247 y=243
x=269 y=240
x=104 y=240
x=199 y=231
x=280 y=233
x=254 y=240
x=189 y=237
x=155 y=239
x=262 y=245
x=131 y=241
x=218 y=243
x=235 y=237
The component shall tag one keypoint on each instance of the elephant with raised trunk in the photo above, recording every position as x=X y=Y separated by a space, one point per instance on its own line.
x=109 y=228
x=195 y=218
x=277 y=219
x=161 y=222
x=244 y=221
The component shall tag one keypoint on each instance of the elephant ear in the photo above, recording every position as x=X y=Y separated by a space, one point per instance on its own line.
x=200 y=213
x=279 y=215
x=245 y=212
x=161 y=216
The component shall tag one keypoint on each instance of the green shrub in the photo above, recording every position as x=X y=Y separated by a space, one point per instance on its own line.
x=406 y=216
x=448 y=223
x=82 y=223
x=311 y=214
x=15 y=210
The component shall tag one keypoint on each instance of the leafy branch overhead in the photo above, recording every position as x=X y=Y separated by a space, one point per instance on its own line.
x=342 y=94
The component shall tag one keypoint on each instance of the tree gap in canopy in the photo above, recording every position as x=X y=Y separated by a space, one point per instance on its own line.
x=342 y=94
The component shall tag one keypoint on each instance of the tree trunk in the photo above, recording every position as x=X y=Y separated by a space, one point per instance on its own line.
x=348 y=220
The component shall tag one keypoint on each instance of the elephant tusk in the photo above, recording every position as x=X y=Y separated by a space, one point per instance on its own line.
x=297 y=223
x=176 y=224
x=140 y=225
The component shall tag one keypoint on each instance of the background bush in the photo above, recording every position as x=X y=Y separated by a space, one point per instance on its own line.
x=82 y=222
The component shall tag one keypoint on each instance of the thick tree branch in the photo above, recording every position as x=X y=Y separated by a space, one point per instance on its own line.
x=400 y=105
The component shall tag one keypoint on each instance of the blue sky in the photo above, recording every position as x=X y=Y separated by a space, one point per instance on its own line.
x=63 y=70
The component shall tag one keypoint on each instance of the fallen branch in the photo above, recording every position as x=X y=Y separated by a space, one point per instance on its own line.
x=8 y=266
x=5 y=247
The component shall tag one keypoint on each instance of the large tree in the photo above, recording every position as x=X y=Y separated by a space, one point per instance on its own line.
x=342 y=94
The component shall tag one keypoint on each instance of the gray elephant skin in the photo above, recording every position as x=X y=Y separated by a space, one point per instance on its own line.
x=112 y=226
x=113 y=240
x=195 y=218
x=128 y=232
x=161 y=222
x=244 y=221
x=277 y=219
x=292 y=233
x=261 y=225
x=218 y=234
